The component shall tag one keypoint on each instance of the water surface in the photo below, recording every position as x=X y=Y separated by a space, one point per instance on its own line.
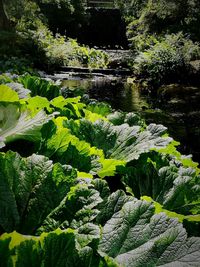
x=177 y=107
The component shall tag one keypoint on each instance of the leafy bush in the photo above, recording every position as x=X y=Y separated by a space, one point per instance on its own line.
x=38 y=86
x=74 y=200
x=132 y=233
x=31 y=37
x=141 y=41
x=163 y=16
x=57 y=51
x=17 y=65
x=130 y=8
x=168 y=60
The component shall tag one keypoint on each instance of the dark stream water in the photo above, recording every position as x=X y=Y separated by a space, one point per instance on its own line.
x=175 y=106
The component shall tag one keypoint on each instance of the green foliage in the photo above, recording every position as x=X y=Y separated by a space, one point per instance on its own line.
x=19 y=88
x=7 y=94
x=56 y=249
x=57 y=51
x=162 y=16
x=119 y=142
x=136 y=237
x=74 y=215
x=175 y=188
x=100 y=108
x=167 y=60
x=26 y=184
x=17 y=65
x=91 y=57
x=130 y=8
x=33 y=38
x=133 y=236
x=141 y=41
x=17 y=124
x=163 y=35
x=38 y=86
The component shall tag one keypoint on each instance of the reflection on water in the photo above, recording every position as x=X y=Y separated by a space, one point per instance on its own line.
x=73 y=83
x=179 y=112
x=117 y=92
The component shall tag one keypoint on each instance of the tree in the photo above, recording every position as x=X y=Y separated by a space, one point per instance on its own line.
x=4 y=21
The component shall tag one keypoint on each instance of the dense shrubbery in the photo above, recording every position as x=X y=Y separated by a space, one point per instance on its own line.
x=162 y=16
x=166 y=60
x=131 y=8
x=32 y=38
x=57 y=51
x=163 y=36
x=16 y=65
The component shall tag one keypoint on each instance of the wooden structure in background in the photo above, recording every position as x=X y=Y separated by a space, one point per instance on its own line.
x=100 y=3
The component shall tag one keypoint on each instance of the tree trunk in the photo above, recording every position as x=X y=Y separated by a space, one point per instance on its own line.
x=4 y=21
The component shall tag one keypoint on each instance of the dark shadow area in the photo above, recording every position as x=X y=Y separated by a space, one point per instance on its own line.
x=100 y=27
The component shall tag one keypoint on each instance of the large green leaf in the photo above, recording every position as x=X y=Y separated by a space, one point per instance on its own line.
x=119 y=117
x=132 y=234
x=21 y=91
x=111 y=205
x=98 y=147
x=182 y=189
x=190 y=222
x=56 y=249
x=77 y=208
x=38 y=103
x=16 y=124
x=61 y=146
x=30 y=188
x=136 y=237
x=39 y=86
x=100 y=108
x=70 y=107
x=119 y=142
x=175 y=187
x=7 y=94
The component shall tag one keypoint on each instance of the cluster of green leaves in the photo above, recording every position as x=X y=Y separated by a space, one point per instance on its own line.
x=16 y=65
x=166 y=60
x=58 y=51
x=97 y=187
x=31 y=36
x=131 y=8
x=164 y=37
x=68 y=211
x=163 y=16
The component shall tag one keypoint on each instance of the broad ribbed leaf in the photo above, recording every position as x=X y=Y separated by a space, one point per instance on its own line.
x=102 y=187
x=70 y=107
x=136 y=237
x=30 y=188
x=7 y=94
x=60 y=145
x=176 y=188
x=111 y=205
x=38 y=103
x=16 y=124
x=119 y=142
x=131 y=118
x=76 y=209
x=39 y=86
x=19 y=89
x=56 y=249
x=100 y=108
x=184 y=193
x=88 y=233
